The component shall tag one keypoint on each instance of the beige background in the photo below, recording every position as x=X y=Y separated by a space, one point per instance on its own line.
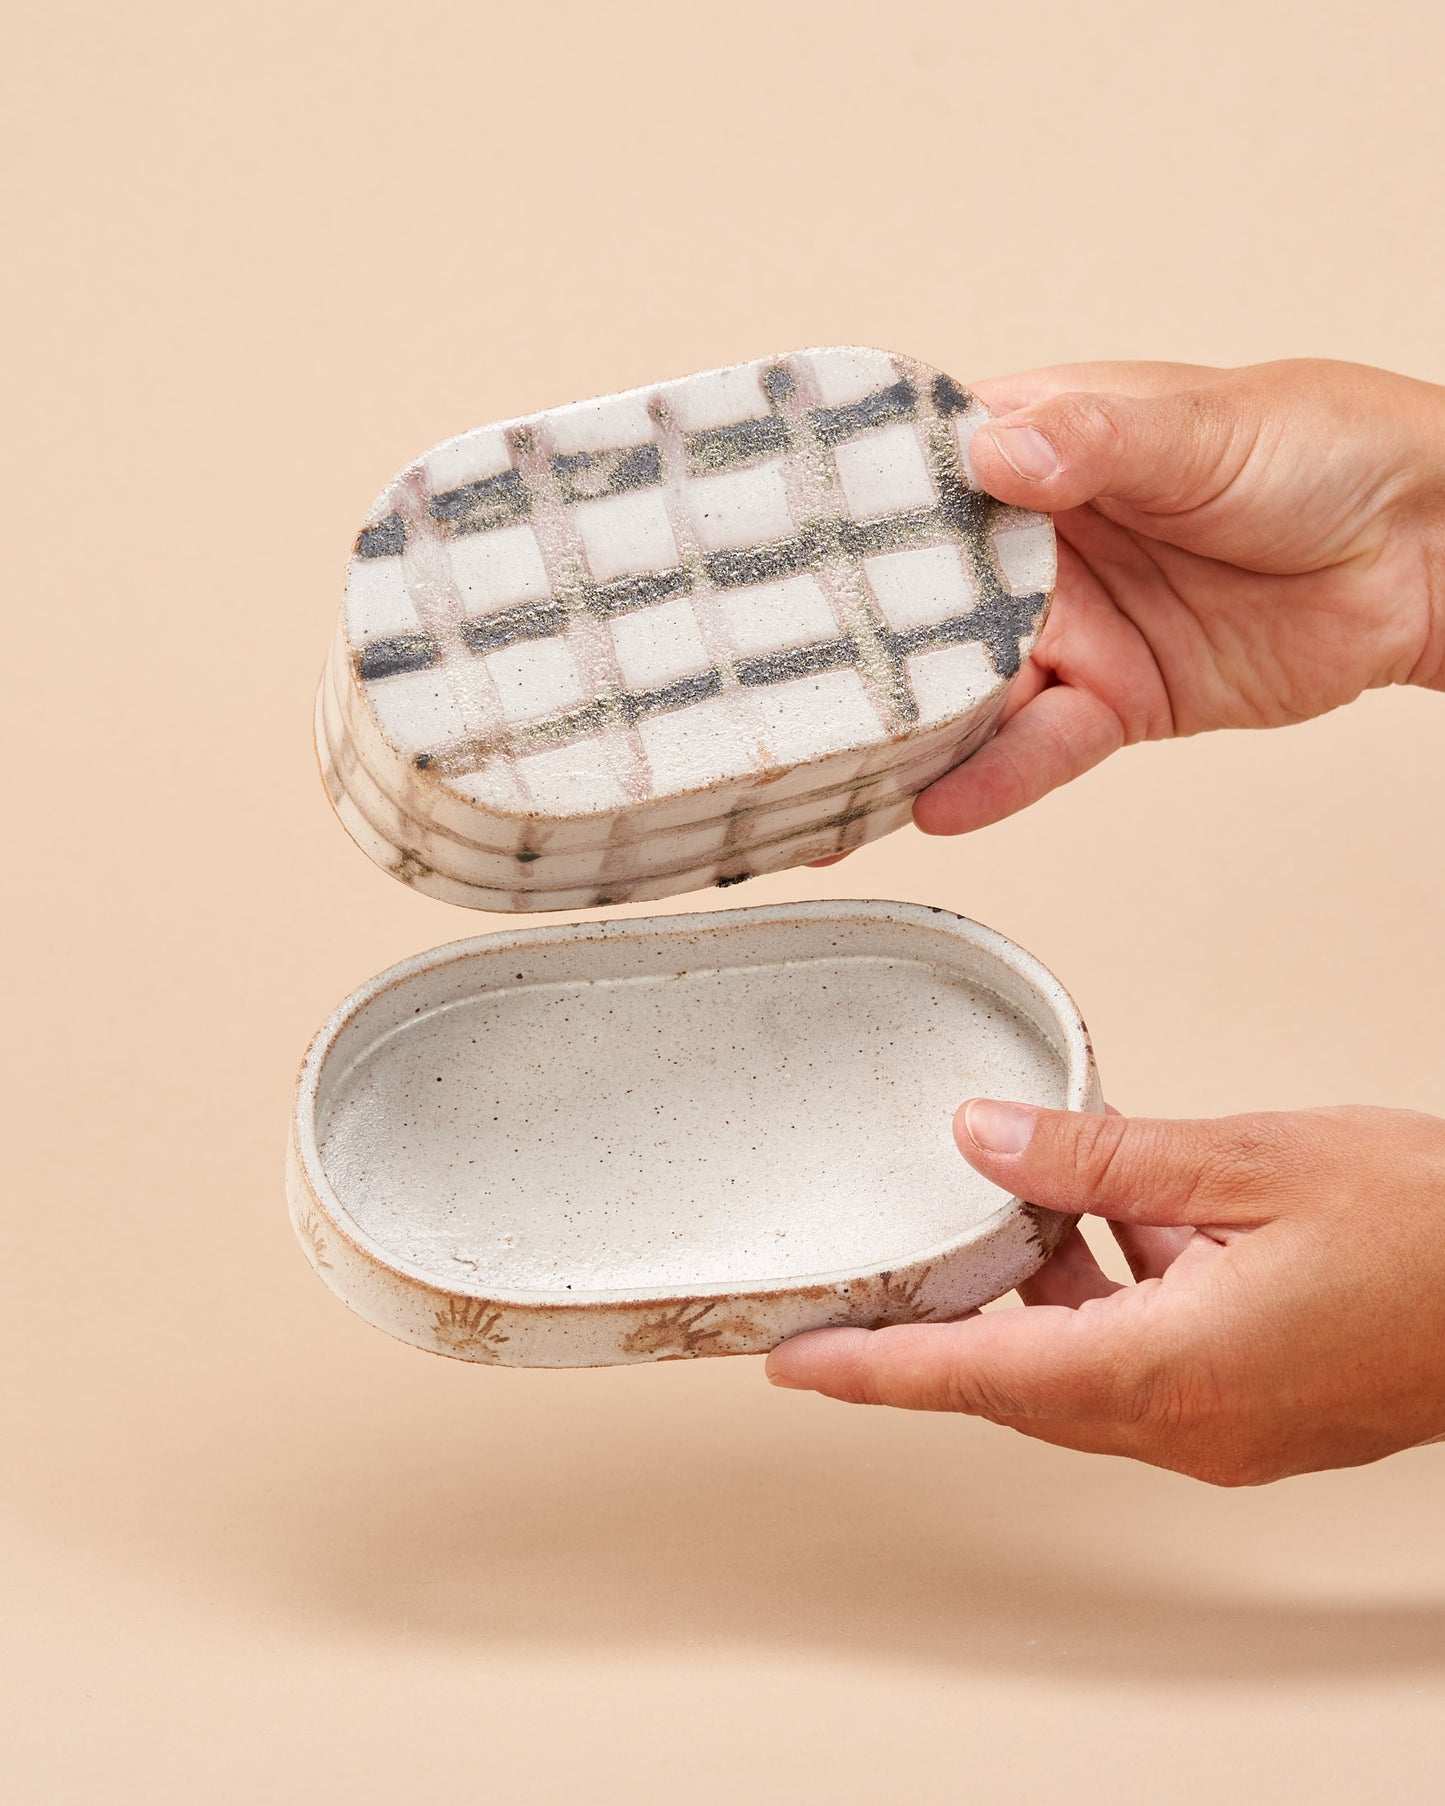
x=257 y=1551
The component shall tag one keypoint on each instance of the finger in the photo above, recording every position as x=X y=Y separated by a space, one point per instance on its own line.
x=1060 y=734
x=1159 y=454
x=1150 y=1252
x=1002 y=394
x=1236 y=1170
x=1032 y=680
x=1011 y=1366
x=1071 y=1276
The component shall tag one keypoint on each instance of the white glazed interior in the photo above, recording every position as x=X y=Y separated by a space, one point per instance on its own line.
x=736 y=1102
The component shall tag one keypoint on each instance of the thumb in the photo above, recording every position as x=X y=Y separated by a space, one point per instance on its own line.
x=1160 y=454
x=1233 y=1170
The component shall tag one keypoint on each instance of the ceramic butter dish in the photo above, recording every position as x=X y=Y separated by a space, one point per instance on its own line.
x=675 y=637
x=691 y=1135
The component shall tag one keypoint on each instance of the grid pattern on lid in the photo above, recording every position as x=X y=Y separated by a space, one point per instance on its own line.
x=700 y=601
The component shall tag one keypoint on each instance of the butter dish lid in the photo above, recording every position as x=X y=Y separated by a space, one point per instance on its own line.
x=678 y=636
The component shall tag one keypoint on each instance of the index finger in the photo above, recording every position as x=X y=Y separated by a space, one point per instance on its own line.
x=1044 y=1364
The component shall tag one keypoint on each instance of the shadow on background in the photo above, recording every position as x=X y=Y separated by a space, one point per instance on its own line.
x=639 y=1509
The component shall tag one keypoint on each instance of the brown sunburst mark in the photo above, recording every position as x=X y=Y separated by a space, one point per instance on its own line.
x=898 y=1298
x=309 y=1231
x=1047 y=1228
x=680 y=1330
x=470 y=1327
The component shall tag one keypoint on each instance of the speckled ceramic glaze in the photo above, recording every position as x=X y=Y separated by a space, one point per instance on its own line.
x=678 y=636
x=692 y=1135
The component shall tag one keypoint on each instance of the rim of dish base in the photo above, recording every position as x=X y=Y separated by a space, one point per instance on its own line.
x=1076 y=1053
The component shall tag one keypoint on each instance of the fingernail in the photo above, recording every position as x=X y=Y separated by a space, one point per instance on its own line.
x=781 y=1379
x=999 y=1128
x=1026 y=449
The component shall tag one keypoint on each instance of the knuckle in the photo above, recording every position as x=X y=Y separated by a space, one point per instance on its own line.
x=1100 y=1156
x=969 y=1388
x=983 y=1400
x=1236 y=1170
x=1082 y=421
x=892 y=1369
x=870 y=1377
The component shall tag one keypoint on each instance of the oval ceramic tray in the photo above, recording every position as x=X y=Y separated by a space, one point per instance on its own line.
x=676 y=637
x=692 y=1135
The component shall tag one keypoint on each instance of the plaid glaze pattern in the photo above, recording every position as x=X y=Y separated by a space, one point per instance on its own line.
x=676 y=636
